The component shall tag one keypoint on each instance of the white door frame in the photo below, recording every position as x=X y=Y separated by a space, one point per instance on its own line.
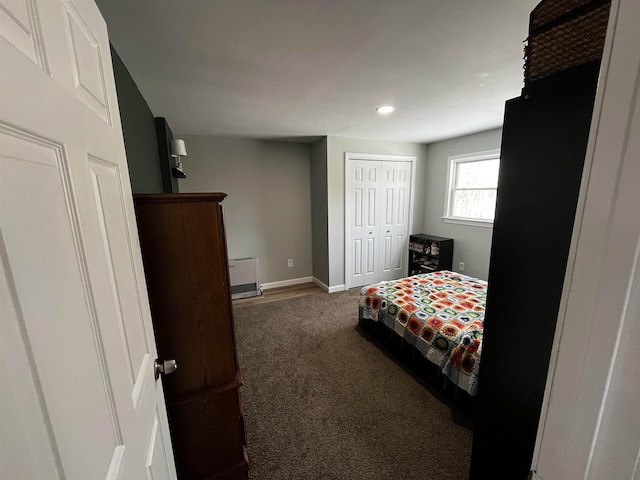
x=348 y=156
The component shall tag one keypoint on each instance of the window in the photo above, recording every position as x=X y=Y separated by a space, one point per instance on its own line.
x=472 y=188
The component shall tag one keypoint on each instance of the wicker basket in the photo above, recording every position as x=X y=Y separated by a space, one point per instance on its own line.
x=565 y=34
x=550 y=10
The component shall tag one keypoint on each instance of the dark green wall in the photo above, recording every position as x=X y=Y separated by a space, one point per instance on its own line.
x=165 y=135
x=139 y=130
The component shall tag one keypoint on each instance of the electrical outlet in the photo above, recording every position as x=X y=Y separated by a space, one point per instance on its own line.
x=290 y=262
x=461 y=266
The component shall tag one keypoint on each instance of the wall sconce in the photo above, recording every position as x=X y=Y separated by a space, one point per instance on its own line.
x=178 y=149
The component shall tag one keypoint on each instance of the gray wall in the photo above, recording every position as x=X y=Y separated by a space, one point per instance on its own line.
x=268 y=210
x=471 y=244
x=319 y=211
x=138 y=128
x=336 y=148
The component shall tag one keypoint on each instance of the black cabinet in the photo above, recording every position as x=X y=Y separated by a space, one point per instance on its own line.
x=428 y=253
x=544 y=141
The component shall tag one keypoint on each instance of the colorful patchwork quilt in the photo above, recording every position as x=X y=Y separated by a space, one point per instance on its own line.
x=440 y=313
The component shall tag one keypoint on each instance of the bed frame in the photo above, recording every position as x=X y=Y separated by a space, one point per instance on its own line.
x=462 y=404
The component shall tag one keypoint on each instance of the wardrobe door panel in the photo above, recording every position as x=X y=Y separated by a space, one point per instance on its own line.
x=208 y=304
x=187 y=283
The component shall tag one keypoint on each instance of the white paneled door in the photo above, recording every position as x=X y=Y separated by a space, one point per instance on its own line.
x=364 y=221
x=378 y=206
x=78 y=397
x=394 y=219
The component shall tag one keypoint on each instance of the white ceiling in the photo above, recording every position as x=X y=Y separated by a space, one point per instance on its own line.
x=300 y=68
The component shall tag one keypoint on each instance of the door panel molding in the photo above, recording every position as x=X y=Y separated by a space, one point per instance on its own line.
x=86 y=54
x=21 y=27
x=24 y=400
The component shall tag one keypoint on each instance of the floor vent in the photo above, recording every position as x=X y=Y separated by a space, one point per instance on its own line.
x=245 y=278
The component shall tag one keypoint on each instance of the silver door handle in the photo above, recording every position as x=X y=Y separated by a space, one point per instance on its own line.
x=164 y=367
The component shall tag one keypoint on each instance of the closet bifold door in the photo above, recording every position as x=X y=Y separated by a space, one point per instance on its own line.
x=395 y=190
x=363 y=220
x=186 y=265
x=377 y=219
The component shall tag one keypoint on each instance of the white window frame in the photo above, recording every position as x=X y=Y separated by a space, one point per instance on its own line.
x=448 y=204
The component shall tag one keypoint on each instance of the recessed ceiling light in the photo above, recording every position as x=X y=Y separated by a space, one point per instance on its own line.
x=385 y=109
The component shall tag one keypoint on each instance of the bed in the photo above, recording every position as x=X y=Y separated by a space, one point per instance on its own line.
x=439 y=314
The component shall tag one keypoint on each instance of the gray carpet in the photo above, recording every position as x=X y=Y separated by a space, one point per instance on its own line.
x=323 y=402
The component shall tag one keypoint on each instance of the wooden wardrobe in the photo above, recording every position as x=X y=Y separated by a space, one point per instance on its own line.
x=185 y=259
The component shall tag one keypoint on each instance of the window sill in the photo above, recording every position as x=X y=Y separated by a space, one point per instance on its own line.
x=470 y=222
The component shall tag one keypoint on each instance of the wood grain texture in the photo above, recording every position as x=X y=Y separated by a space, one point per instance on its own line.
x=185 y=257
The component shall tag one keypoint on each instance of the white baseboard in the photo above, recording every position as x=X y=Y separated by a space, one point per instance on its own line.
x=327 y=288
x=297 y=281
x=321 y=284
x=337 y=288
x=286 y=283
